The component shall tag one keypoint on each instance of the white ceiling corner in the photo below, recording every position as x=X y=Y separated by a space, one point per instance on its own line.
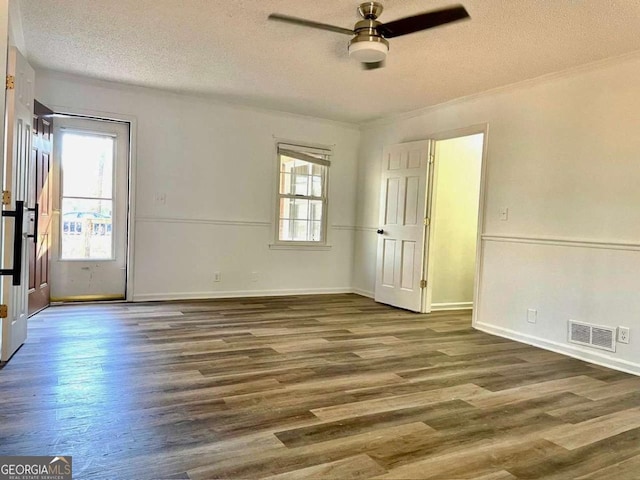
x=228 y=49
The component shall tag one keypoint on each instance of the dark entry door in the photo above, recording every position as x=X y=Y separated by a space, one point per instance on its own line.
x=40 y=206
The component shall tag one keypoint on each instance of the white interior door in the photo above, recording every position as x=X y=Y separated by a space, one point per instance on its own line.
x=89 y=248
x=401 y=234
x=19 y=117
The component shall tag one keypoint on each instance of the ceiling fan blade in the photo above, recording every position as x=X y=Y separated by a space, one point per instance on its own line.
x=372 y=65
x=423 y=21
x=309 y=23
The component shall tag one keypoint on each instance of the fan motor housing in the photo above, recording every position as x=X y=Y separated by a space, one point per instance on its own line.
x=367 y=31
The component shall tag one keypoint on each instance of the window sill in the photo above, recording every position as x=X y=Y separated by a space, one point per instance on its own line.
x=298 y=246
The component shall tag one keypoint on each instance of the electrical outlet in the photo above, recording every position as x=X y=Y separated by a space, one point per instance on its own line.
x=503 y=213
x=254 y=277
x=160 y=198
x=623 y=334
x=532 y=315
x=217 y=277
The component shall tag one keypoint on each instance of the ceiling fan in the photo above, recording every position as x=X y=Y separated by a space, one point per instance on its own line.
x=369 y=44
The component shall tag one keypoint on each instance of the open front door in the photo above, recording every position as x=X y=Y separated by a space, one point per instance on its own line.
x=39 y=245
x=19 y=111
x=403 y=225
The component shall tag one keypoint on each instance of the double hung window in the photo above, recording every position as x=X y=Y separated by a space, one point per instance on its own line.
x=302 y=195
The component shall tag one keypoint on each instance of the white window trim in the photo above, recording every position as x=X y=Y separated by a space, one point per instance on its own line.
x=297 y=245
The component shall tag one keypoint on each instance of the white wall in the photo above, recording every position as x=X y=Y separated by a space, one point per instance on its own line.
x=454 y=221
x=216 y=164
x=563 y=156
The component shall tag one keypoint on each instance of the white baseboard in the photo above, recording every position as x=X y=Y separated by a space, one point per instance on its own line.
x=564 y=349
x=438 y=307
x=364 y=293
x=150 y=297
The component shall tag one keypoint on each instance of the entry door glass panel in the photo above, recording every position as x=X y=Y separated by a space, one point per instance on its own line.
x=87 y=196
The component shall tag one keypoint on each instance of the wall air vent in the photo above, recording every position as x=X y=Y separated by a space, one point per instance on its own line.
x=595 y=336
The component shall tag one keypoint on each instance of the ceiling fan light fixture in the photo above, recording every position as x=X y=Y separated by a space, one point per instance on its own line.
x=369 y=44
x=372 y=51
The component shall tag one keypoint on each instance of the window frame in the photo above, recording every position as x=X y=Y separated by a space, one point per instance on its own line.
x=300 y=148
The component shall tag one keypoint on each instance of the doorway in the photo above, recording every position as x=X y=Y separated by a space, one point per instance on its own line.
x=451 y=260
x=430 y=212
x=89 y=251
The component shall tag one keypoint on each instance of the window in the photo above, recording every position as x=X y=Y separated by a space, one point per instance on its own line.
x=87 y=196
x=302 y=195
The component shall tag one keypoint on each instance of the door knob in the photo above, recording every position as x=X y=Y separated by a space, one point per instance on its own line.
x=380 y=231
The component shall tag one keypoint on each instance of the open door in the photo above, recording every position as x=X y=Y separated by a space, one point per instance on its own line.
x=40 y=205
x=19 y=111
x=403 y=225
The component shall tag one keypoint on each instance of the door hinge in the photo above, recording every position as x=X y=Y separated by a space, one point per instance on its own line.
x=4 y=312
x=427 y=221
x=11 y=82
x=6 y=197
x=432 y=158
x=423 y=284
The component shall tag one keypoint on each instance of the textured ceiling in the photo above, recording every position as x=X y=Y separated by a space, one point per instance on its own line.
x=228 y=49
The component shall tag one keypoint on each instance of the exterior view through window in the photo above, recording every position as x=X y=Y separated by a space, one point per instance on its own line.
x=87 y=162
x=302 y=194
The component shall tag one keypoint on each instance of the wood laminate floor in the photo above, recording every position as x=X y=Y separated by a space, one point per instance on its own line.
x=332 y=386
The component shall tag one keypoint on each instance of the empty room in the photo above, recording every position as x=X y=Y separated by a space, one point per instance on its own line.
x=288 y=239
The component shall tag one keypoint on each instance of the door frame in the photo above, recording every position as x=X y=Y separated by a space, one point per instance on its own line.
x=4 y=51
x=428 y=273
x=131 y=187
